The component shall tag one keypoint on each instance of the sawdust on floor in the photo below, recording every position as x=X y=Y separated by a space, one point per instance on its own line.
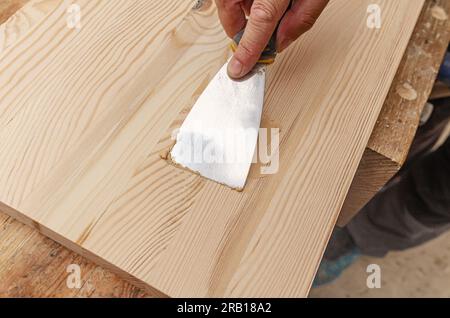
x=420 y=272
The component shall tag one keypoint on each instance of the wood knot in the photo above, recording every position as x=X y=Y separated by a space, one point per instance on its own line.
x=164 y=155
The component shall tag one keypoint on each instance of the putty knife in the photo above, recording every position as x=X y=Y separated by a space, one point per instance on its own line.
x=219 y=136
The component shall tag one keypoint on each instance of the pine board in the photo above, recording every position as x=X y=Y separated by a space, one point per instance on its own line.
x=85 y=114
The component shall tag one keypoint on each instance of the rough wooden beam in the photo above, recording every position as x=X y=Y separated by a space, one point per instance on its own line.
x=399 y=119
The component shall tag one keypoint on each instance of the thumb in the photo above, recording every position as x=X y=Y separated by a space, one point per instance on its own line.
x=263 y=20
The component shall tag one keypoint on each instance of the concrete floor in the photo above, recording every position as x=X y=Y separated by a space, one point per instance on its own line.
x=419 y=272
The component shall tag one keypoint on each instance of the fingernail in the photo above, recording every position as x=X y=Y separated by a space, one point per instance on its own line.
x=235 y=68
x=284 y=45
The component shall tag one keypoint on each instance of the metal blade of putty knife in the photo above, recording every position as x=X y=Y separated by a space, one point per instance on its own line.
x=219 y=136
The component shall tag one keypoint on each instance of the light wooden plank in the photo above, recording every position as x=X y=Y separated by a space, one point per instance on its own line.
x=85 y=114
x=32 y=265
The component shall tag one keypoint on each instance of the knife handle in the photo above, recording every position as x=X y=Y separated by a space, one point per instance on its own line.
x=270 y=52
x=268 y=55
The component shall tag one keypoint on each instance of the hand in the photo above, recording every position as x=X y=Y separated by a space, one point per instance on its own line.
x=264 y=17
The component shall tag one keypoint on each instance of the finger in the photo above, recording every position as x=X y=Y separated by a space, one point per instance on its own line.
x=263 y=20
x=298 y=20
x=247 y=5
x=231 y=16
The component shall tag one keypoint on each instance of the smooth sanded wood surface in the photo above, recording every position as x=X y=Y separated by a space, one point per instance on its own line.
x=32 y=265
x=83 y=124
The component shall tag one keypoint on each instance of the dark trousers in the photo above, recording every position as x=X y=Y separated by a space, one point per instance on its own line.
x=414 y=208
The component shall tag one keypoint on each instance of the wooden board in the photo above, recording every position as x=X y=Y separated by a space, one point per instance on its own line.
x=32 y=265
x=88 y=193
x=398 y=121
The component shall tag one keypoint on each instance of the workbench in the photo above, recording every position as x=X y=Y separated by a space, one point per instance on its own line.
x=32 y=265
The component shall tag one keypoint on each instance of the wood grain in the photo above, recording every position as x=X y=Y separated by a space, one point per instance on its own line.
x=399 y=118
x=398 y=121
x=9 y=7
x=90 y=174
x=43 y=263
x=30 y=264
x=440 y=90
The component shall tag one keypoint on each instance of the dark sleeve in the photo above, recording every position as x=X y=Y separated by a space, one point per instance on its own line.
x=430 y=182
